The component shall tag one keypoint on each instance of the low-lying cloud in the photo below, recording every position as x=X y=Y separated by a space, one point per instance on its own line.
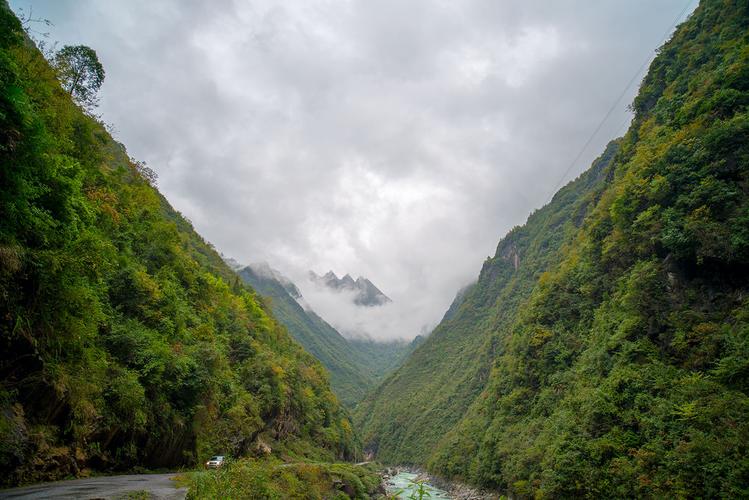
x=390 y=321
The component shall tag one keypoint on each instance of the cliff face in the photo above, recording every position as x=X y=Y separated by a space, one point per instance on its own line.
x=125 y=339
x=612 y=360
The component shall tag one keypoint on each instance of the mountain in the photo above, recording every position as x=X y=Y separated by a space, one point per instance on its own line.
x=232 y=263
x=456 y=303
x=126 y=340
x=355 y=366
x=603 y=351
x=365 y=293
x=384 y=357
x=447 y=372
x=263 y=273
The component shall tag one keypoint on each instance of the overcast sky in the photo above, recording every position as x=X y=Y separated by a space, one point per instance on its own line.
x=394 y=139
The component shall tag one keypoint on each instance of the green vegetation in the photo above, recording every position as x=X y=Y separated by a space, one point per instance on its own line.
x=603 y=351
x=381 y=358
x=273 y=479
x=355 y=366
x=125 y=339
x=617 y=364
x=405 y=418
x=136 y=495
x=80 y=73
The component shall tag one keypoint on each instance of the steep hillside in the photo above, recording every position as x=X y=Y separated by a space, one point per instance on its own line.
x=125 y=339
x=349 y=375
x=384 y=357
x=355 y=366
x=624 y=374
x=445 y=374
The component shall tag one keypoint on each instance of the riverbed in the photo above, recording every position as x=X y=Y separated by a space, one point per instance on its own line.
x=403 y=482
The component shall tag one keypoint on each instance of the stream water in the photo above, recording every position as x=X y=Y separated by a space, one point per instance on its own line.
x=403 y=482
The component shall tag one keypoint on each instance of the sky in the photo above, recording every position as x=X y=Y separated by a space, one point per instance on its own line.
x=397 y=140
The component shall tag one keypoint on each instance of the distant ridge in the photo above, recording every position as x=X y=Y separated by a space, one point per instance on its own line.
x=355 y=366
x=367 y=294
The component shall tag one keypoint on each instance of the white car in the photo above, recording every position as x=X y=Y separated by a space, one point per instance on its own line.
x=215 y=462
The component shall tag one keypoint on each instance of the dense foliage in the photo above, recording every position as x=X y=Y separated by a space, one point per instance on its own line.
x=355 y=366
x=624 y=374
x=80 y=73
x=404 y=418
x=382 y=357
x=125 y=338
x=276 y=480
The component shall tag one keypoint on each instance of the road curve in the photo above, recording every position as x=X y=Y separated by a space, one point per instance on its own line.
x=158 y=486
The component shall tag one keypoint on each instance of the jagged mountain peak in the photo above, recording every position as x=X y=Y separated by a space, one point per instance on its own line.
x=366 y=293
x=348 y=281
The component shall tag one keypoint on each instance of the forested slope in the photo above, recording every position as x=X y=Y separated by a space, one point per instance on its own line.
x=624 y=374
x=384 y=357
x=349 y=375
x=355 y=366
x=125 y=340
x=404 y=418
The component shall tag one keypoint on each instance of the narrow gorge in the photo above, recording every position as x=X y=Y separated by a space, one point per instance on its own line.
x=601 y=351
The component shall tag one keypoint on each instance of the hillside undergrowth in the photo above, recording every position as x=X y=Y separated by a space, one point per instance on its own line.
x=125 y=339
x=620 y=368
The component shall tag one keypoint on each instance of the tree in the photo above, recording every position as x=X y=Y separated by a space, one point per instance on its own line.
x=80 y=73
x=146 y=172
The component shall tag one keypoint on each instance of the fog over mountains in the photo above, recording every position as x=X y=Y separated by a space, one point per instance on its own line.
x=365 y=292
x=356 y=308
x=355 y=364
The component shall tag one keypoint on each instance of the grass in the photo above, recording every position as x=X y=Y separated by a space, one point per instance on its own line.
x=271 y=478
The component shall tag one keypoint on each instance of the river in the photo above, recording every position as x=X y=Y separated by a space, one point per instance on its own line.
x=403 y=482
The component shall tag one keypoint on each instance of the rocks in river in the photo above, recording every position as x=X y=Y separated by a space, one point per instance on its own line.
x=463 y=492
x=459 y=491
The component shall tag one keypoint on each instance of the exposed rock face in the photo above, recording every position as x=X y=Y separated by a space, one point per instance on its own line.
x=366 y=293
x=510 y=254
x=262 y=448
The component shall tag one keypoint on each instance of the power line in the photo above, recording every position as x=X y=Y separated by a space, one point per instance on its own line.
x=616 y=102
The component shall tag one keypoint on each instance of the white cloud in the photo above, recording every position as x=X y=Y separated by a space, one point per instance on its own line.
x=396 y=140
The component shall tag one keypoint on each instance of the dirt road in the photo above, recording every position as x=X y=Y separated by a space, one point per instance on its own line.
x=140 y=486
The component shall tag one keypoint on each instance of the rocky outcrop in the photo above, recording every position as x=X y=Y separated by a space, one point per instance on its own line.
x=365 y=292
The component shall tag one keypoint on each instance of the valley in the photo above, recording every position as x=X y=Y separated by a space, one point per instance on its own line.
x=598 y=353
x=601 y=351
x=356 y=365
